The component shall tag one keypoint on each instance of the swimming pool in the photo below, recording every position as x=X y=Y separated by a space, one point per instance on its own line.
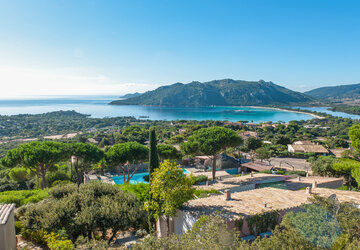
x=137 y=178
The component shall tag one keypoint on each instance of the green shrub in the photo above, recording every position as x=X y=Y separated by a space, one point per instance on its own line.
x=301 y=173
x=204 y=193
x=199 y=178
x=266 y=171
x=56 y=242
x=60 y=183
x=19 y=226
x=23 y=197
x=51 y=177
x=141 y=190
x=37 y=236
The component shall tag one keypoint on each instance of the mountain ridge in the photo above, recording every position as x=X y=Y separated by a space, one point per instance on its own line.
x=225 y=92
x=330 y=93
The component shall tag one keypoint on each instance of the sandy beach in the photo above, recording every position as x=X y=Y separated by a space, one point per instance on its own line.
x=295 y=111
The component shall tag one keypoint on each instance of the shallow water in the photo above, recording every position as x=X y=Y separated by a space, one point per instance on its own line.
x=97 y=106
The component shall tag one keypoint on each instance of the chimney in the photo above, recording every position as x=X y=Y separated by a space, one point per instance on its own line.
x=227 y=194
x=314 y=184
x=308 y=190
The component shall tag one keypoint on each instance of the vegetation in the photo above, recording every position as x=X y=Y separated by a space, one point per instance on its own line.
x=355 y=110
x=90 y=210
x=54 y=123
x=153 y=154
x=169 y=189
x=23 y=197
x=38 y=157
x=336 y=93
x=225 y=92
x=84 y=156
x=211 y=141
x=167 y=152
x=125 y=156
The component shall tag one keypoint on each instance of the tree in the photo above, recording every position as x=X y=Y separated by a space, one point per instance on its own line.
x=251 y=144
x=323 y=166
x=21 y=174
x=281 y=139
x=354 y=134
x=264 y=153
x=153 y=155
x=170 y=188
x=39 y=157
x=136 y=133
x=91 y=208
x=168 y=152
x=211 y=141
x=125 y=155
x=85 y=155
x=350 y=169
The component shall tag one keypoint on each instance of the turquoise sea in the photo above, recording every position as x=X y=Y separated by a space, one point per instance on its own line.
x=97 y=106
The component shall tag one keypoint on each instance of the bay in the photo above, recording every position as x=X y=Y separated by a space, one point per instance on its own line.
x=97 y=107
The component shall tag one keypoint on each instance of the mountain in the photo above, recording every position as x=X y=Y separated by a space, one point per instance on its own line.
x=351 y=91
x=130 y=95
x=226 y=92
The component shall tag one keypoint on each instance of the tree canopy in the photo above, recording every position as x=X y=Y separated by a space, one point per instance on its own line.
x=37 y=156
x=86 y=155
x=211 y=141
x=169 y=189
x=167 y=152
x=125 y=155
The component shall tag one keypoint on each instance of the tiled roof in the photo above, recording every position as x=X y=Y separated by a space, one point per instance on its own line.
x=5 y=211
x=252 y=202
x=309 y=148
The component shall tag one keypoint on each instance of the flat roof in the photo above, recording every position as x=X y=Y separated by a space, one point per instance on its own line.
x=5 y=211
x=252 y=202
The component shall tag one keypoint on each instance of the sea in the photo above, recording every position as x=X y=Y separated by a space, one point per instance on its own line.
x=98 y=107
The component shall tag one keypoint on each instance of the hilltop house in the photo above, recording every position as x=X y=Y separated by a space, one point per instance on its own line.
x=240 y=206
x=307 y=147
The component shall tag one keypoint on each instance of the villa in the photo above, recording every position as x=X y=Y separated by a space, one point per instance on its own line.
x=307 y=147
x=236 y=206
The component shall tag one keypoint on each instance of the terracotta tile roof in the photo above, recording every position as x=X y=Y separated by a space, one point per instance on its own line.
x=257 y=166
x=252 y=202
x=5 y=211
x=309 y=148
x=337 y=152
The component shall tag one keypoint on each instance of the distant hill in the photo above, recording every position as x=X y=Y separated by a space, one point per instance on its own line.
x=351 y=91
x=218 y=92
x=130 y=95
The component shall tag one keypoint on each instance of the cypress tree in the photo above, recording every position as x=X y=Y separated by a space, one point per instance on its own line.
x=153 y=155
x=153 y=165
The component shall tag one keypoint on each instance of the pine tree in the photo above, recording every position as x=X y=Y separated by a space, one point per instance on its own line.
x=153 y=155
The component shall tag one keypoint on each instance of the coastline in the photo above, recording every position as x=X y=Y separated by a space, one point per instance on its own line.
x=289 y=110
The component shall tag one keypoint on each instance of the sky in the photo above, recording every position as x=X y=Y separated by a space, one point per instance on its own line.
x=110 y=47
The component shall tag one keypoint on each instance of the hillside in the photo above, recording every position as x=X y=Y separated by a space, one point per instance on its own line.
x=130 y=95
x=336 y=93
x=225 y=92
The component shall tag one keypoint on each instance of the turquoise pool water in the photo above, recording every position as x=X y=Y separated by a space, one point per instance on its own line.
x=137 y=178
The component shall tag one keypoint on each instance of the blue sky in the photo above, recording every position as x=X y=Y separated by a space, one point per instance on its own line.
x=116 y=47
